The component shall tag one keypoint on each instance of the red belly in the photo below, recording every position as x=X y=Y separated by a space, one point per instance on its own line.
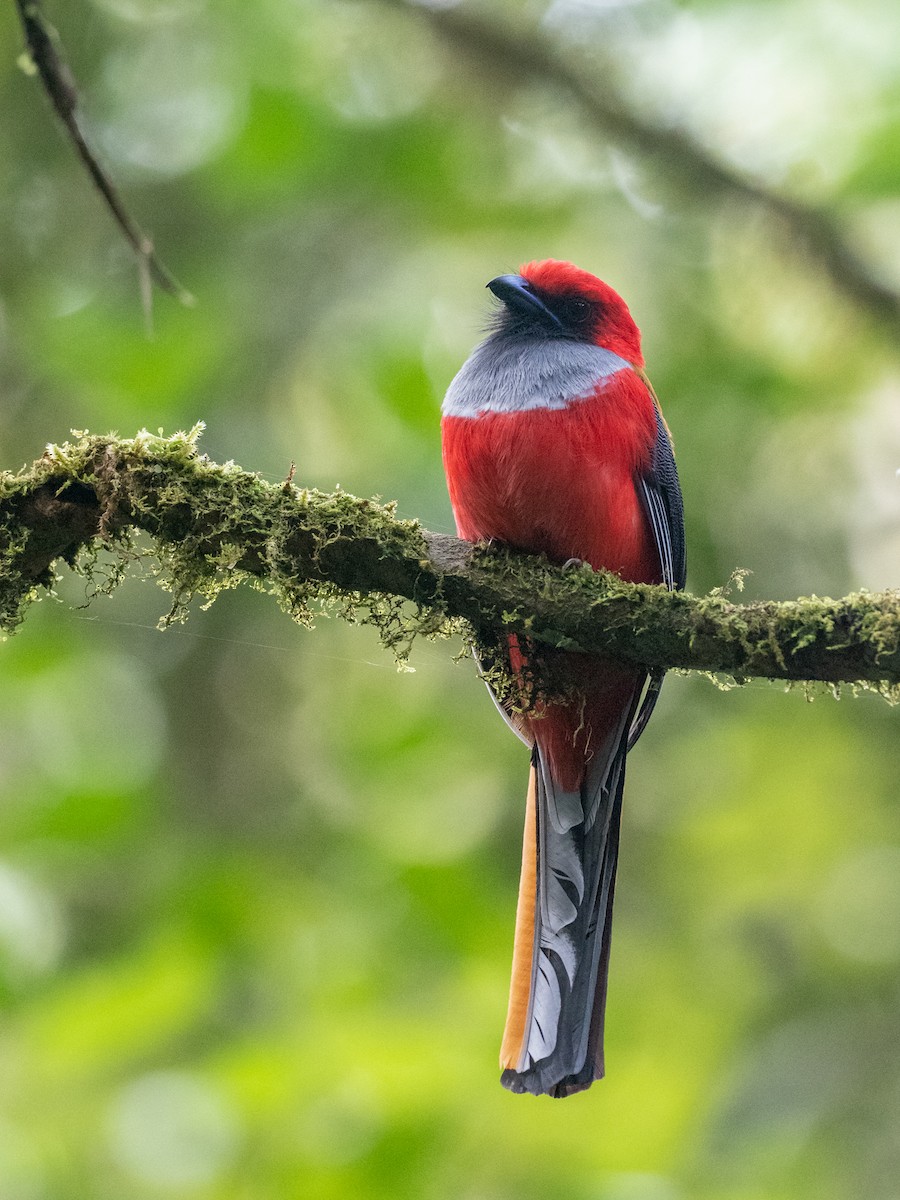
x=562 y=483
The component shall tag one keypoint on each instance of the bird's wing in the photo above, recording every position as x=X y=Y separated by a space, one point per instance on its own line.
x=660 y=494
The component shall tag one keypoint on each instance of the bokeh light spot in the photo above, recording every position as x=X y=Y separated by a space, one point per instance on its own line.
x=859 y=908
x=173 y=1129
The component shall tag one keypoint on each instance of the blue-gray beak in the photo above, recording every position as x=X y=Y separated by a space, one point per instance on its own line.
x=517 y=293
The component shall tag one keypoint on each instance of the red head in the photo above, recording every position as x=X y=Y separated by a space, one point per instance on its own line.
x=560 y=300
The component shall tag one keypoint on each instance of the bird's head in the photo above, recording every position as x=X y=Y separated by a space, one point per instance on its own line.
x=552 y=299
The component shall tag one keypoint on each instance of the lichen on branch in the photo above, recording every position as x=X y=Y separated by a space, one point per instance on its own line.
x=213 y=526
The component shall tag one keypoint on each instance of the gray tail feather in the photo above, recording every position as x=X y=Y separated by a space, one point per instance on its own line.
x=576 y=871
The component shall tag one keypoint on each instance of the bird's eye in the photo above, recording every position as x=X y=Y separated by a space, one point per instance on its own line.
x=574 y=311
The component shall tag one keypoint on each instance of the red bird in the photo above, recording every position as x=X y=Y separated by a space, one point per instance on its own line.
x=554 y=444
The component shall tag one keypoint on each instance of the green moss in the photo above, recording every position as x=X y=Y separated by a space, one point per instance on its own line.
x=215 y=526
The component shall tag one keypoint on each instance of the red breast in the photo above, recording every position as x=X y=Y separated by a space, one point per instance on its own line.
x=559 y=481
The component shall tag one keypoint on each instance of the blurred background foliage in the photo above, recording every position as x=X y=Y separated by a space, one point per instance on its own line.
x=256 y=888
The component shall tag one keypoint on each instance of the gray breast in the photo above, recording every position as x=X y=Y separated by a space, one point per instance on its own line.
x=506 y=374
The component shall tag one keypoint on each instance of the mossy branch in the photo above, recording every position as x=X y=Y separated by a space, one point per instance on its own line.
x=215 y=525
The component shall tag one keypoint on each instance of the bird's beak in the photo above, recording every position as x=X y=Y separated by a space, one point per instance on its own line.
x=517 y=293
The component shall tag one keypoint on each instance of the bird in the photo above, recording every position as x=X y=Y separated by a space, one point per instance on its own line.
x=554 y=443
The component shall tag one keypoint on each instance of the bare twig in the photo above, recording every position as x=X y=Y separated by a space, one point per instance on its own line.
x=45 y=56
x=516 y=57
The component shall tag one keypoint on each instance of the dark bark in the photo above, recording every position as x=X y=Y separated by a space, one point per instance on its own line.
x=210 y=521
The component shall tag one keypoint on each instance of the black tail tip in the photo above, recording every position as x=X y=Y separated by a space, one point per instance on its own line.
x=513 y=1081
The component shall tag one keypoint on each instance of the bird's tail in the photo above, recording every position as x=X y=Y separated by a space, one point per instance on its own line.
x=553 y=1040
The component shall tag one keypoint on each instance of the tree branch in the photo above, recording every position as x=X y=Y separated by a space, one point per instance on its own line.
x=213 y=525
x=45 y=57
x=513 y=57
